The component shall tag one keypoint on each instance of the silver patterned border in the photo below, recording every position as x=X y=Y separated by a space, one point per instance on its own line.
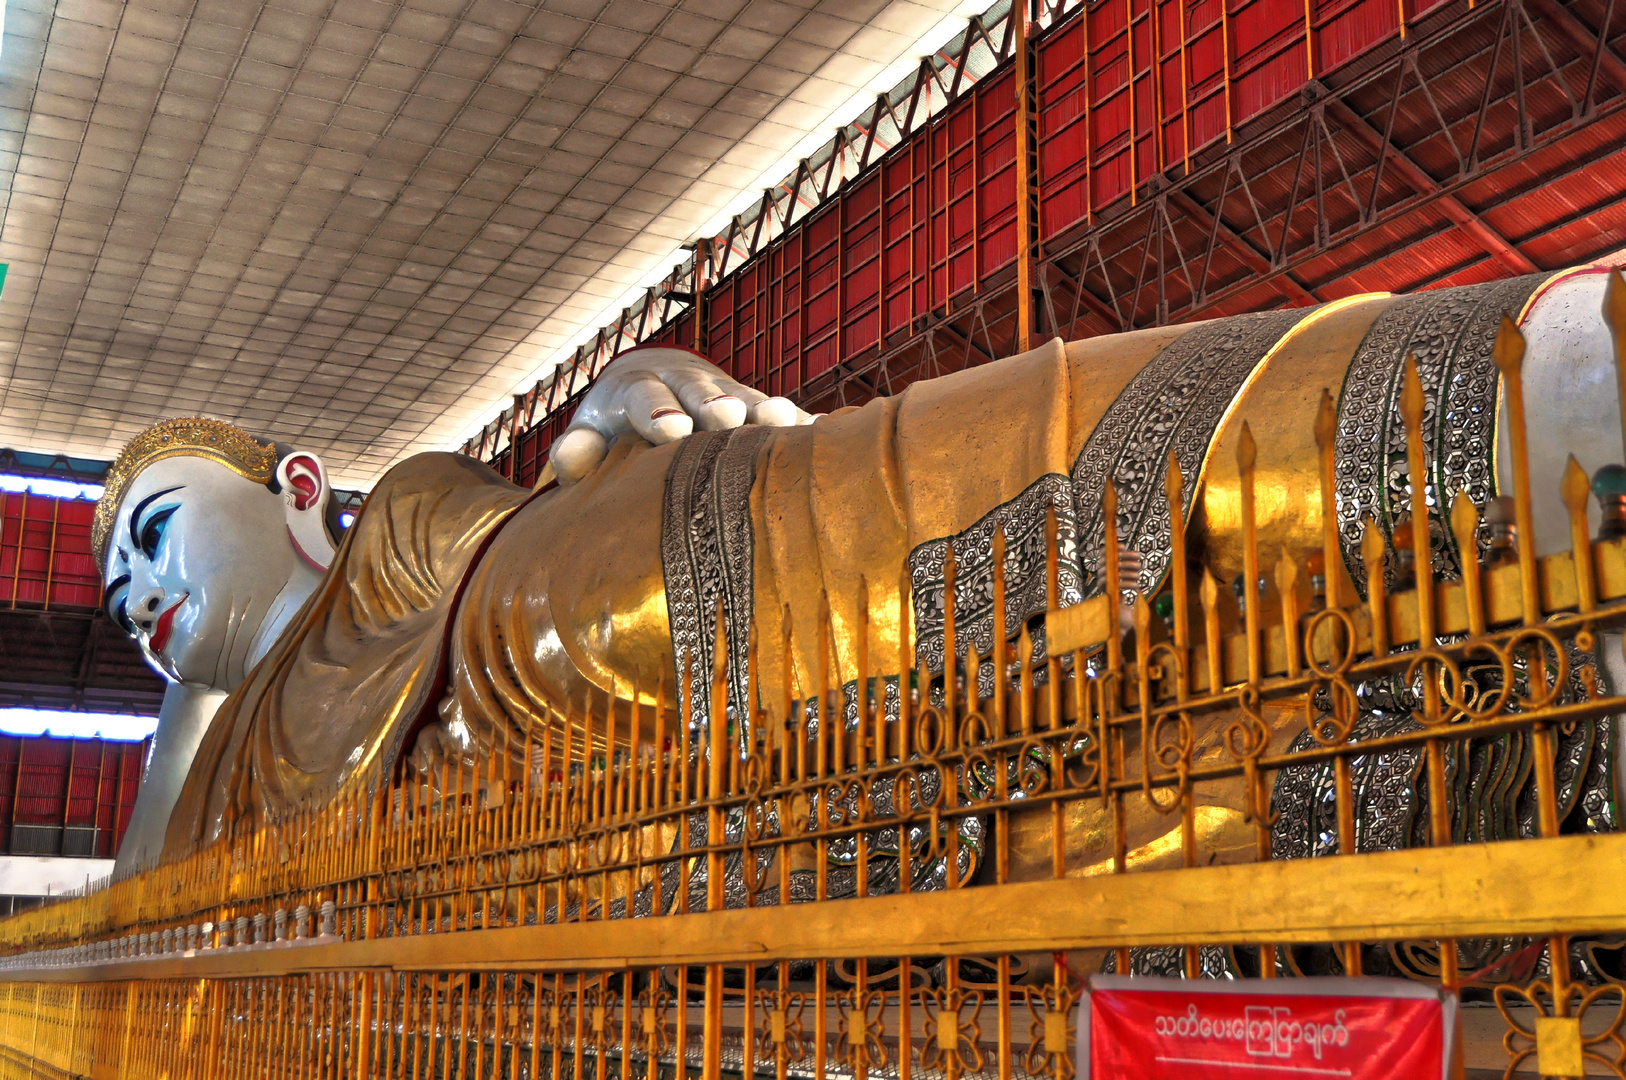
x=1023 y=521
x=706 y=554
x=1451 y=332
x=1175 y=402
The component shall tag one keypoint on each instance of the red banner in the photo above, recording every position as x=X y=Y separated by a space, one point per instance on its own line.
x=1139 y=1028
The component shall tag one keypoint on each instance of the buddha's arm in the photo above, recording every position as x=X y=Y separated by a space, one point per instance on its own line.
x=567 y=602
x=570 y=601
x=575 y=596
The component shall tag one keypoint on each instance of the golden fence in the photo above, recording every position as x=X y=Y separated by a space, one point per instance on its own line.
x=600 y=902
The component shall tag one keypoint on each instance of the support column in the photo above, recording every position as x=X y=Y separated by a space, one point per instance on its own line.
x=1027 y=188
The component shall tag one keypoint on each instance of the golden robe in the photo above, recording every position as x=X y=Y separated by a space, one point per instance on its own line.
x=359 y=664
x=531 y=605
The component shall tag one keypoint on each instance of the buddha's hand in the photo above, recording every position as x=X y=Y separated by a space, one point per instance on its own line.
x=660 y=394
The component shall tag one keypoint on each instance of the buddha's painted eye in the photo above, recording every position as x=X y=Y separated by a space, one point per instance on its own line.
x=147 y=537
x=152 y=533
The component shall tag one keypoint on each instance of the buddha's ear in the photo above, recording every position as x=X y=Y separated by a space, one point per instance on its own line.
x=305 y=492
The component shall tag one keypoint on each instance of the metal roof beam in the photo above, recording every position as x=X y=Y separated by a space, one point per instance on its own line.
x=964 y=340
x=1239 y=246
x=1578 y=34
x=1082 y=296
x=1497 y=245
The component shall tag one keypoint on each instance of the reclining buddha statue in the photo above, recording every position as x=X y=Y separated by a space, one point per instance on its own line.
x=460 y=611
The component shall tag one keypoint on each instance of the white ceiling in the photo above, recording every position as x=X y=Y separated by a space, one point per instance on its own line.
x=358 y=225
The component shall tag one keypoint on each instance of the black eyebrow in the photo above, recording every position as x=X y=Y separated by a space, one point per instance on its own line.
x=142 y=505
x=113 y=586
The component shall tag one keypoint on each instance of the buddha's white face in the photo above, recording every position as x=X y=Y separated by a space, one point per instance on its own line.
x=203 y=568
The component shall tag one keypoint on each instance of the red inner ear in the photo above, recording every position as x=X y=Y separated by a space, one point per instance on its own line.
x=304 y=481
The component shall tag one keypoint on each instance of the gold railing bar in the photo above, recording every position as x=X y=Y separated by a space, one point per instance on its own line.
x=1384 y=896
x=1326 y=433
x=1246 y=454
x=1471 y=590
x=1575 y=489
x=1508 y=352
x=1179 y=577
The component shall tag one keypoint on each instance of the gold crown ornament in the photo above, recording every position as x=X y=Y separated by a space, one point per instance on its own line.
x=190 y=436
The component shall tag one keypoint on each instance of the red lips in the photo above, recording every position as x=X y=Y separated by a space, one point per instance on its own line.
x=160 y=632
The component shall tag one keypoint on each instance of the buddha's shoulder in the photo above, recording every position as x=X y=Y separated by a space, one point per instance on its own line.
x=444 y=501
x=433 y=473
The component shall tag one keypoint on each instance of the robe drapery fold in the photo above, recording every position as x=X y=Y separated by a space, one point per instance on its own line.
x=361 y=660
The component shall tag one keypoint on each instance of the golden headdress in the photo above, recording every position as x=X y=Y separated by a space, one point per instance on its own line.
x=191 y=436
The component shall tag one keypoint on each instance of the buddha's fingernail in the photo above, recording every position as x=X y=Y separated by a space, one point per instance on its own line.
x=720 y=397
x=661 y=414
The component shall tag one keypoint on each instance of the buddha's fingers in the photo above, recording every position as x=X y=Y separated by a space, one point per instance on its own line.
x=777 y=412
x=719 y=412
x=715 y=401
x=763 y=410
x=577 y=453
x=648 y=406
x=630 y=401
x=661 y=394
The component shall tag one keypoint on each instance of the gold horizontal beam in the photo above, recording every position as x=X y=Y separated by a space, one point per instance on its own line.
x=1521 y=887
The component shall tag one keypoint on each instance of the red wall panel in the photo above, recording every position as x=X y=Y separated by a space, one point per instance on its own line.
x=45 y=558
x=72 y=796
x=903 y=240
x=996 y=160
x=861 y=266
x=1131 y=87
x=1347 y=27
x=821 y=280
